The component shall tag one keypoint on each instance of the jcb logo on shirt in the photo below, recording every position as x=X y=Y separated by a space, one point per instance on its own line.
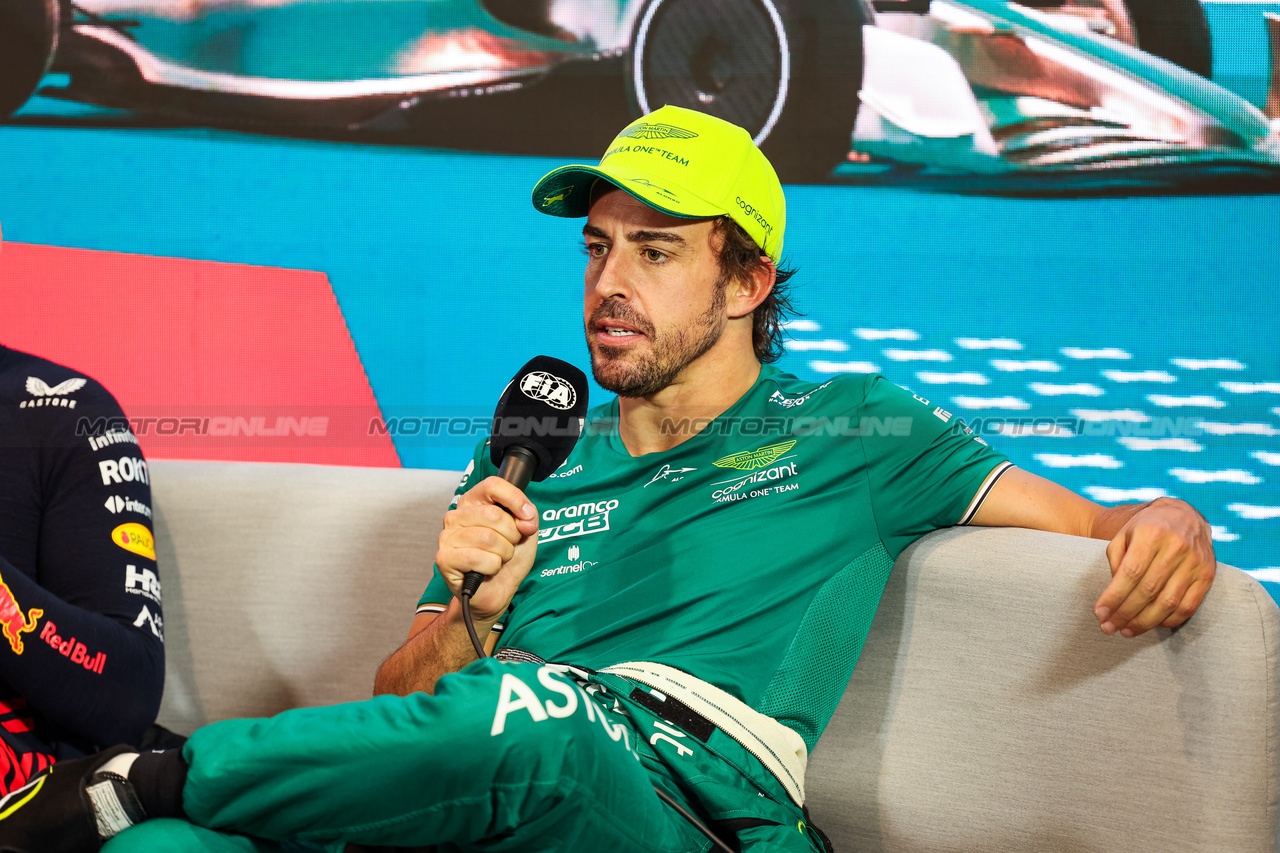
x=588 y=518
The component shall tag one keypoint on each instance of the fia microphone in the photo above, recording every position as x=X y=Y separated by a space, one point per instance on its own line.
x=537 y=422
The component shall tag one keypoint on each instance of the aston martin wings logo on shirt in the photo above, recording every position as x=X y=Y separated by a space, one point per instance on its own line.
x=645 y=130
x=749 y=460
x=40 y=388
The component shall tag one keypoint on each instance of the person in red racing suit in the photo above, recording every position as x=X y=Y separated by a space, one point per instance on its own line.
x=81 y=628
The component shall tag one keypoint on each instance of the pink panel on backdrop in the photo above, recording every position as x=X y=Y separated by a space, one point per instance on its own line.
x=209 y=360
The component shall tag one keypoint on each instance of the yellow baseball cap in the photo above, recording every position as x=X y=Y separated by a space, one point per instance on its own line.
x=684 y=163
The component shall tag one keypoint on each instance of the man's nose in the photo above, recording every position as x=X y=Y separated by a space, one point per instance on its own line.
x=613 y=279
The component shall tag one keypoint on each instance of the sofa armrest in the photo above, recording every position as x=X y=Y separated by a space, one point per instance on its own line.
x=286 y=585
x=989 y=713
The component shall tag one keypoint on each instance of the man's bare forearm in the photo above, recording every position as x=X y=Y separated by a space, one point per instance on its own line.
x=440 y=648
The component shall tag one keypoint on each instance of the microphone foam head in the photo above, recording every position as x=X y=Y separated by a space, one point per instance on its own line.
x=542 y=409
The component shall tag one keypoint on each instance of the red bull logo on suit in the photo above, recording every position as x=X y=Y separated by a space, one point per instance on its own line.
x=11 y=618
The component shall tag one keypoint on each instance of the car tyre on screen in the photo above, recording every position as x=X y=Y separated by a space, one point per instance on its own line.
x=789 y=71
x=1176 y=30
x=28 y=40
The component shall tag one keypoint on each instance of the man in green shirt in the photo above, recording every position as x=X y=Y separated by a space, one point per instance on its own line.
x=679 y=606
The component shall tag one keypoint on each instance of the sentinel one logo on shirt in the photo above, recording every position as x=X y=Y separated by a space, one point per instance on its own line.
x=56 y=395
x=573 y=566
x=576 y=520
x=548 y=388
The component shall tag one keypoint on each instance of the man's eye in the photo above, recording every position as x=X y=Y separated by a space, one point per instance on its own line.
x=595 y=250
x=654 y=256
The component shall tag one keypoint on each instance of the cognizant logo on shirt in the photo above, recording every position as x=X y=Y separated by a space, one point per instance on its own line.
x=778 y=475
x=756 y=485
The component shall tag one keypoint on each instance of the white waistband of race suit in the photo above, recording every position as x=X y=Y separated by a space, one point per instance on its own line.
x=778 y=748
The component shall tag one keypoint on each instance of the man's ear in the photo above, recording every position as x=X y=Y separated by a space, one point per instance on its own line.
x=745 y=295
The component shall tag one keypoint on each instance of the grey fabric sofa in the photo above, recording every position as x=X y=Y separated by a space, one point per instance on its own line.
x=987 y=712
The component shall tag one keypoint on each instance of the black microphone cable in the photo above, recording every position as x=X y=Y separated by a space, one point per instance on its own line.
x=468 y=590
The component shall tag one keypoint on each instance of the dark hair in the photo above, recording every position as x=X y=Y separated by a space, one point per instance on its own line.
x=739 y=258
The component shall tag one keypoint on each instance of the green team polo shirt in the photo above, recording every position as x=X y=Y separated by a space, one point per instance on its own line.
x=752 y=555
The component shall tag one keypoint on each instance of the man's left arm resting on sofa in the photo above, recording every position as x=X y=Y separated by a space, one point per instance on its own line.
x=1161 y=553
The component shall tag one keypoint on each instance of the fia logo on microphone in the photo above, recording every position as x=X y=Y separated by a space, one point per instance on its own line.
x=548 y=388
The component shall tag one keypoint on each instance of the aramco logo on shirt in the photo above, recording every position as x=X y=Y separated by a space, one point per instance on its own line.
x=749 y=460
x=548 y=388
x=576 y=520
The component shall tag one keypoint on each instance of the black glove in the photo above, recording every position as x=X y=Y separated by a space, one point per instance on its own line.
x=72 y=808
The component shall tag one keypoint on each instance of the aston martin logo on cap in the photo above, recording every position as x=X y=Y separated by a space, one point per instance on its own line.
x=552 y=199
x=748 y=460
x=645 y=130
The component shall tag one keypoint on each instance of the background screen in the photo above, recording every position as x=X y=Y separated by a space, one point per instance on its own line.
x=358 y=290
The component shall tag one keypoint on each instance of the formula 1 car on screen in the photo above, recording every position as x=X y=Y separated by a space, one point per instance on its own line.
x=982 y=87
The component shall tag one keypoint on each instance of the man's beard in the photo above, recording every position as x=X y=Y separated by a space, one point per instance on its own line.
x=669 y=353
